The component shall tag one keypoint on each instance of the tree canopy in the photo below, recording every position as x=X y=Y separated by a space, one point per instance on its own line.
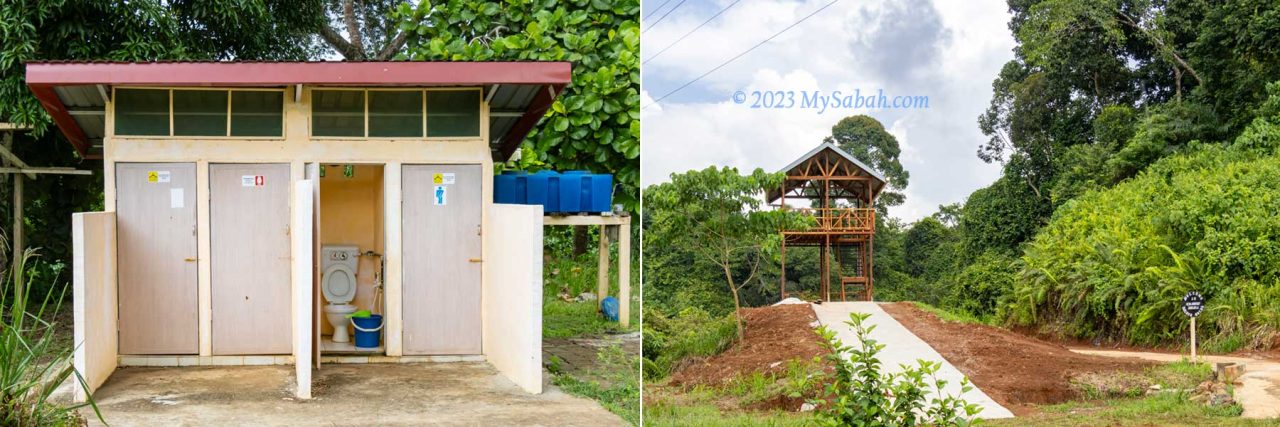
x=594 y=124
x=864 y=138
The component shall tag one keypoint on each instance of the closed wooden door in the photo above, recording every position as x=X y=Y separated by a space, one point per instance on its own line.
x=249 y=260
x=156 y=258
x=441 y=249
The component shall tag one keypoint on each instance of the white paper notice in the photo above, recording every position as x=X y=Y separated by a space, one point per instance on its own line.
x=176 y=199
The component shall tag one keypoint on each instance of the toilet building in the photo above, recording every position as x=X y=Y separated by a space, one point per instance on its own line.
x=250 y=207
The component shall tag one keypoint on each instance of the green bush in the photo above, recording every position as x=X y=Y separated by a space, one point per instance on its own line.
x=859 y=394
x=32 y=361
x=692 y=332
x=980 y=286
x=1115 y=263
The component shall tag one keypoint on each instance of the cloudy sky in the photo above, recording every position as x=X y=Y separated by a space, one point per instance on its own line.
x=947 y=50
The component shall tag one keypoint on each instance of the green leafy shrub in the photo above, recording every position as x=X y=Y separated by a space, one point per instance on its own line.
x=669 y=341
x=1115 y=263
x=980 y=286
x=859 y=394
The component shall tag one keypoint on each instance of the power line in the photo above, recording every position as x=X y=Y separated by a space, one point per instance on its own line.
x=664 y=16
x=651 y=12
x=722 y=64
x=713 y=17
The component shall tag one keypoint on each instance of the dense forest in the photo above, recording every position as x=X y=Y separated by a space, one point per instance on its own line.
x=1139 y=143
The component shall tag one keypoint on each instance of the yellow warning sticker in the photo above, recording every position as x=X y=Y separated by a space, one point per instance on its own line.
x=442 y=179
x=157 y=176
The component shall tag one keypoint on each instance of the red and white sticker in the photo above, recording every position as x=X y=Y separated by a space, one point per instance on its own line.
x=253 y=181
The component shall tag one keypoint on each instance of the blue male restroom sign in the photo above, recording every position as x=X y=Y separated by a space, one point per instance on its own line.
x=1192 y=304
x=441 y=195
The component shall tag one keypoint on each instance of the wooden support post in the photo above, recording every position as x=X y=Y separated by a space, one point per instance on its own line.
x=18 y=243
x=783 y=257
x=825 y=269
x=602 y=274
x=624 y=273
x=870 y=267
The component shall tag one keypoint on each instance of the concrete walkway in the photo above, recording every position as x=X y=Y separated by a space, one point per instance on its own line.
x=409 y=394
x=1259 y=389
x=903 y=347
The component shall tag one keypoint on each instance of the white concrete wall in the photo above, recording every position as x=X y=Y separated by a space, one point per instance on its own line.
x=512 y=294
x=93 y=236
x=302 y=244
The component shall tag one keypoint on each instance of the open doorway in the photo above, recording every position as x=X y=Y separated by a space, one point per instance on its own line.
x=351 y=262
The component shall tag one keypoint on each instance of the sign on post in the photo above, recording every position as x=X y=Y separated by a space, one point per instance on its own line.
x=1192 y=304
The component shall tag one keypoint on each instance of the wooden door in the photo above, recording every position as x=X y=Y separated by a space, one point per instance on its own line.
x=441 y=249
x=156 y=256
x=249 y=239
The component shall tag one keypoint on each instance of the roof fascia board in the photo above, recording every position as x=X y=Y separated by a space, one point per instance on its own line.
x=290 y=73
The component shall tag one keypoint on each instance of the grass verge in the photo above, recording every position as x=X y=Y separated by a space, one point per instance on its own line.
x=614 y=383
x=952 y=316
x=1120 y=399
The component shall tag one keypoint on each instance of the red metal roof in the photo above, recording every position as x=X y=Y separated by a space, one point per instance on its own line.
x=42 y=77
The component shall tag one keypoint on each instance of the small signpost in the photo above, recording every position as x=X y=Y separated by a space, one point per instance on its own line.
x=1192 y=304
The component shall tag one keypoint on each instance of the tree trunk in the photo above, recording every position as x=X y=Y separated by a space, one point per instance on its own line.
x=580 y=240
x=737 y=303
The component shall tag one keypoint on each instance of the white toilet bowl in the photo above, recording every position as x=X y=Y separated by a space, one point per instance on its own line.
x=340 y=263
x=337 y=315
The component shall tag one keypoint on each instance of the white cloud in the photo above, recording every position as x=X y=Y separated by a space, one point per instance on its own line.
x=950 y=51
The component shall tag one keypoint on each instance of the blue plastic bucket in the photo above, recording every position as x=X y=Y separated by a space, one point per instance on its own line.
x=368 y=330
x=609 y=306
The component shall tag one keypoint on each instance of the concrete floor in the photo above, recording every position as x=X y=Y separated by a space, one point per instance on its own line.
x=462 y=393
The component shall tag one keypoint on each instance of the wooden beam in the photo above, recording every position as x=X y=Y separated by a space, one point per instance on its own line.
x=624 y=275
x=13 y=126
x=586 y=220
x=49 y=171
x=18 y=241
x=13 y=158
x=602 y=271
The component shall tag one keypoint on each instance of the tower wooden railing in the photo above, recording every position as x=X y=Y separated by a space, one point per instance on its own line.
x=847 y=220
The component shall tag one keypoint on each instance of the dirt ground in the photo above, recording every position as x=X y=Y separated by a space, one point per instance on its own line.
x=1015 y=370
x=580 y=355
x=365 y=394
x=774 y=335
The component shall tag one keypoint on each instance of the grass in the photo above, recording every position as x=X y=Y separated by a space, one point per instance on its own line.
x=34 y=357
x=573 y=319
x=952 y=316
x=1119 y=399
x=576 y=275
x=705 y=405
x=691 y=333
x=1168 y=409
x=705 y=414
x=614 y=383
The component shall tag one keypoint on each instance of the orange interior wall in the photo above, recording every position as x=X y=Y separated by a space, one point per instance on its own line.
x=351 y=214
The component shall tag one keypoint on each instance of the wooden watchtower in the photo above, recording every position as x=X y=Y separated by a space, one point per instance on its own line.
x=840 y=193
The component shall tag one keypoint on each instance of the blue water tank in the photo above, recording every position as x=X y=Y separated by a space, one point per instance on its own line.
x=572 y=190
x=542 y=189
x=510 y=187
x=568 y=192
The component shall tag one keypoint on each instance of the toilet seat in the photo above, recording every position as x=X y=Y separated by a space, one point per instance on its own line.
x=339 y=284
